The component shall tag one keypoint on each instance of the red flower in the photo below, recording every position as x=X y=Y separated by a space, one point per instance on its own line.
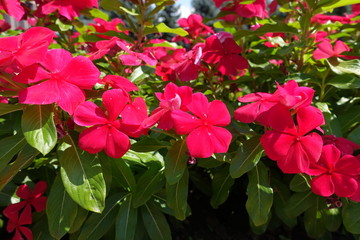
x=194 y=26
x=118 y=82
x=16 y=222
x=293 y=147
x=27 y=48
x=205 y=135
x=68 y=8
x=105 y=132
x=325 y=50
x=335 y=174
x=344 y=145
x=222 y=50
x=64 y=76
x=13 y=8
x=173 y=98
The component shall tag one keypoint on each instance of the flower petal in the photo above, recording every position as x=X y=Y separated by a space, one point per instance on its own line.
x=117 y=143
x=89 y=114
x=345 y=186
x=220 y=138
x=323 y=185
x=199 y=143
x=184 y=122
x=308 y=119
x=70 y=97
x=35 y=94
x=218 y=114
x=199 y=105
x=93 y=139
x=114 y=101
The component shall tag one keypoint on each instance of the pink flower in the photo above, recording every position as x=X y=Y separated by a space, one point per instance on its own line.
x=13 y=8
x=334 y=174
x=325 y=50
x=64 y=76
x=105 y=131
x=118 y=82
x=224 y=52
x=173 y=98
x=68 y=8
x=344 y=145
x=194 y=26
x=28 y=48
x=205 y=133
x=293 y=147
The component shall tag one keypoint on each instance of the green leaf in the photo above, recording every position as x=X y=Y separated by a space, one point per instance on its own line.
x=314 y=220
x=354 y=135
x=300 y=183
x=126 y=220
x=61 y=210
x=351 y=217
x=81 y=216
x=345 y=81
x=82 y=176
x=176 y=196
x=299 y=203
x=8 y=108
x=278 y=27
x=332 y=124
x=148 y=184
x=221 y=184
x=25 y=158
x=176 y=162
x=9 y=147
x=330 y=5
x=155 y=222
x=140 y=73
x=128 y=11
x=122 y=173
x=148 y=144
x=97 y=13
x=333 y=219
x=110 y=5
x=260 y=195
x=345 y=67
x=38 y=126
x=350 y=118
x=99 y=224
x=162 y=28
x=247 y=157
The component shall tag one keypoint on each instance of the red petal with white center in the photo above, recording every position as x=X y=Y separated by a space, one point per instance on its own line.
x=114 y=101
x=117 y=143
x=93 y=139
x=218 y=114
x=35 y=94
x=184 y=122
x=81 y=72
x=323 y=185
x=89 y=114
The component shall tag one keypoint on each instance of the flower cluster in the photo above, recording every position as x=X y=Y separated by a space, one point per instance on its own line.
x=20 y=214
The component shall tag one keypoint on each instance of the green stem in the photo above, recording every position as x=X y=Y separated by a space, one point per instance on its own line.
x=8 y=78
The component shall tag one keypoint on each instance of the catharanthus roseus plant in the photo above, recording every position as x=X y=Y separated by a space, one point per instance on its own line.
x=137 y=127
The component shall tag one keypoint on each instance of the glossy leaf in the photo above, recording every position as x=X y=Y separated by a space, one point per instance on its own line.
x=38 y=126
x=260 y=195
x=149 y=144
x=24 y=159
x=345 y=67
x=8 y=108
x=155 y=222
x=345 y=81
x=314 y=220
x=350 y=118
x=246 y=158
x=98 y=224
x=61 y=210
x=82 y=176
x=140 y=73
x=299 y=203
x=351 y=217
x=162 y=28
x=148 y=184
x=9 y=147
x=330 y=5
x=333 y=219
x=221 y=184
x=176 y=196
x=279 y=27
x=176 y=162
x=300 y=183
x=81 y=216
x=126 y=220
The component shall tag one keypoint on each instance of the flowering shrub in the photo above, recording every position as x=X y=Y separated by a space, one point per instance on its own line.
x=116 y=128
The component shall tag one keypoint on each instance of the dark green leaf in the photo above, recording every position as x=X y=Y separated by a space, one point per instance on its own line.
x=25 y=158
x=221 y=184
x=345 y=81
x=349 y=118
x=354 y=135
x=126 y=220
x=299 y=203
x=333 y=219
x=175 y=162
x=8 y=108
x=79 y=220
x=110 y=4
x=61 y=210
x=98 y=224
x=332 y=124
x=300 y=183
x=155 y=222
x=148 y=184
x=149 y=144
x=260 y=195
x=39 y=128
x=82 y=176
x=246 y=158
x=351 y=217
x=278 y=27
x=176 y=196
x=162 y=28
x=9 y=147
x=314 y=220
